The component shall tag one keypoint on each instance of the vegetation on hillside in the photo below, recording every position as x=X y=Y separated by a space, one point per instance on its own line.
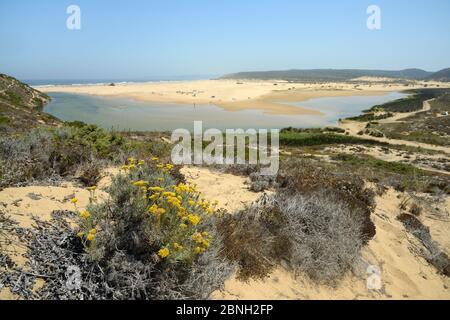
x=21 y=106
x=301 y=138
x=329 y=74
x=72 y=151
x=431 y=127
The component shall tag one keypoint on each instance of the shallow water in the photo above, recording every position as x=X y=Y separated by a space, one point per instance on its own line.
x=126 y=114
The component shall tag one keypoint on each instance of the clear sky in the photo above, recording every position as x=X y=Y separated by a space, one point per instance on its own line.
x=137 y=39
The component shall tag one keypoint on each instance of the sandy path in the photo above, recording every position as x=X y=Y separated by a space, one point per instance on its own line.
x=419 y=160
x=353 y=127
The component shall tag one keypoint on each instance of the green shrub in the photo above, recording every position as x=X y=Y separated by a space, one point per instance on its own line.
x=74 y=150
x=4 y=120
x=396 y=167
x=302 y=139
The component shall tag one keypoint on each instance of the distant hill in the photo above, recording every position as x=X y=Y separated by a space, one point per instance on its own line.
x=329 y=74
x=443 y=75
x=21 y=106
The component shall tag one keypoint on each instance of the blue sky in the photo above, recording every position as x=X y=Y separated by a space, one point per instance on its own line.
x=139 y=39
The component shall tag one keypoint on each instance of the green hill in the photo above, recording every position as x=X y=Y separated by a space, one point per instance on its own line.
x=21 y=106
x=329 y=74
x=442 y=75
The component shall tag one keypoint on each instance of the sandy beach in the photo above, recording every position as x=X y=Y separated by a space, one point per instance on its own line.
x=233 y=95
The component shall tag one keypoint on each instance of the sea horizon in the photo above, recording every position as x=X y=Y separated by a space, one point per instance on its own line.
x=78 y=82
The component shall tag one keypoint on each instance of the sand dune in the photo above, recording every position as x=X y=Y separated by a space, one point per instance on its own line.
x=405 y=275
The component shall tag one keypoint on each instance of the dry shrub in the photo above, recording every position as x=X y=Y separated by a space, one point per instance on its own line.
x=7 y=226
x=307 y=177
x=326 y=235
x=415 y=209
x=89 y=173
x=316 y=233
x=248 y=243
x=434 y=254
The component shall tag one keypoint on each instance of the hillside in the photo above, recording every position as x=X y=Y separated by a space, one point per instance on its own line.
x=21 y=106
x=329 y=74
x=443 y=75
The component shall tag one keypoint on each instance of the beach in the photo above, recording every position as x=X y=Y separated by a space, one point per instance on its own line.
x=232 y=95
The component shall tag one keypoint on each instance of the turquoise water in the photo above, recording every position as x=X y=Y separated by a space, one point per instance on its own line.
x=126 y=114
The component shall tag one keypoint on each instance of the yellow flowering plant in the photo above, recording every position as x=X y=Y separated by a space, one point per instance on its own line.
x=151 y=213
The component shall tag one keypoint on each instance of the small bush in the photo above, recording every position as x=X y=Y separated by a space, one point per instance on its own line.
x=306 y=177
x=316 y=233
x=392 y=166
x=248 y=243
x=433 y=253
x=326 y=235
x=163 y=227
x=261 y=182
x=416 y=209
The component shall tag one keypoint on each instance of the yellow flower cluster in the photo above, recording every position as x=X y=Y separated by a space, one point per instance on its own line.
x=91 y=235
x=155 y=196
x=156 y=189
x=85 y=214
x=177 y=246
x=163 y=253
x=173 y=200
x=132 y=164
x=165 y=167
x=179 y=212
x=194 y=219
x=154 y=209
x=140 y=183
x=183 y=188
x=201 y=239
